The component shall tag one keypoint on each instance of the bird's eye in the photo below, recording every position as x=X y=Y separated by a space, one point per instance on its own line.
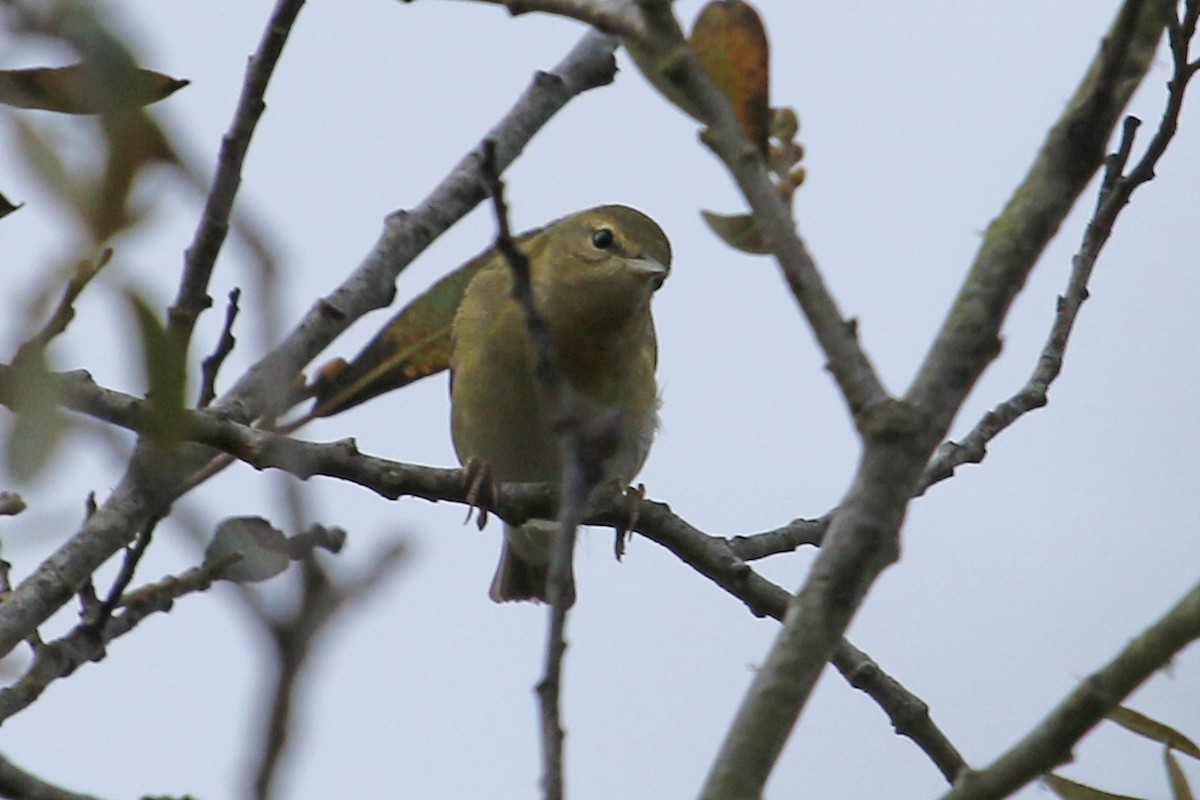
x=602 y=238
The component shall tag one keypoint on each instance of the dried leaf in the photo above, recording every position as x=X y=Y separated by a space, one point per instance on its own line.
x=1070 y=790
x=730 y=42
x=80 y=89
x=1153 y=729
x=739 y=231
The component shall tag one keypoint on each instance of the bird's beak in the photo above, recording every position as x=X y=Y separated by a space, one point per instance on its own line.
x=651 y=269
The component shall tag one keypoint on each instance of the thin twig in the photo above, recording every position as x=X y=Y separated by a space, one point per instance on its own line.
x=133 y=556
x=64 y=312
x=201 y=255
x=579 y=477
x=225 y=344
x=1116 y=189
x=293 y=639
x=87 y=642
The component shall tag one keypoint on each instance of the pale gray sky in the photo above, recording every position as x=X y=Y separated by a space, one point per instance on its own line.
x=1018 y=577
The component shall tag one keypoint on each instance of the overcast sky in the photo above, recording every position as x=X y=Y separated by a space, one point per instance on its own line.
x=1018 y=577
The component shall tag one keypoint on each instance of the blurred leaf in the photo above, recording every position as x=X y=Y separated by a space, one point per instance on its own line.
x=1070 y=790
x=48 y=166
x=264 y=549
x=83 y=89
x=100 y=202
x=1152 y=729
x=1179 y=784
x=134 y=141
x=39 y=424
x=7 y=207
x=163 y=358
x=730 y=42
x=414 y=344
x=738 y=231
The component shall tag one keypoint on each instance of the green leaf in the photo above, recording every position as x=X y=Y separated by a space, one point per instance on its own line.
x=49 y=167
x=83 y=89
x=1179 y=785
x=1152 y=729
x=39 y=424
x=1070 y=790
x=164 y=362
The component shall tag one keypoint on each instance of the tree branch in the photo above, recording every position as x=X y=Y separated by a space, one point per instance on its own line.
x=293 y=639
x=721 y=560
x=201 y=255
x=1115 y=193
x=225 y=344
x=863 y=536
x=87 y=641
x=1050 y=743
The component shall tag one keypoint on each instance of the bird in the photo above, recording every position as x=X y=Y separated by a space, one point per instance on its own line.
x=593 y=274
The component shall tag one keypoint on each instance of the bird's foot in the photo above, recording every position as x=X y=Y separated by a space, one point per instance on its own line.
x=633 y=496
x=477 y=478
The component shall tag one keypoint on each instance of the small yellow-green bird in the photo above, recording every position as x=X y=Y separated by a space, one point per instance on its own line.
x=593 y=274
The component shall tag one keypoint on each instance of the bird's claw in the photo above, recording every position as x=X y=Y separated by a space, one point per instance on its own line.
x=634 y=495
x=477 y=478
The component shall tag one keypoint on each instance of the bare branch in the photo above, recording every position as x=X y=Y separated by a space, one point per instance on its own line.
x=87 y=641
x=1050 y=743
x=603 y=15
x=225 y=344
x=576 y=437
x=863 y=537
x=293 y=639
x=201 y=255
x=62 y=315
x=721 y=560
x=1115 y=192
